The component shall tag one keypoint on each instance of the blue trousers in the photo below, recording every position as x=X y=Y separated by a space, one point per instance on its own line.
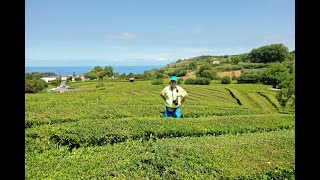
x=175 y=114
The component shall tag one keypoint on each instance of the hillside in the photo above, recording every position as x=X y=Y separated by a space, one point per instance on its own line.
x=111 y=128
x=222 y=64
x=253 y=63
x=117 y=130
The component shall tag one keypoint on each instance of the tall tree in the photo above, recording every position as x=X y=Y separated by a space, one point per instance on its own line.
x=108 y=71
x=286 y=95
x=207 y=71
x=275 y=74
x=270 y=53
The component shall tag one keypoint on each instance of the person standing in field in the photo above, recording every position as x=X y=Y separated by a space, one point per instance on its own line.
x=174 y=96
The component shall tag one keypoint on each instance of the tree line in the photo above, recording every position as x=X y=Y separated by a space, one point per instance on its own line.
x=272 y=64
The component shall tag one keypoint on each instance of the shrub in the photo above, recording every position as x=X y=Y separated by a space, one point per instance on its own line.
x=198 y=81
x=252 y=71
x=247 y=65
x=228 y=67
x=235 y=60
x=30 y=86
x=226 y=80
x=249 y=78
x=159 y=75
x=34 y=86
x=178 y=72
x=211 y=74
x=207 y=71
x=90 y=75
x=157 y=82
x=275 y=74
x=190 y=81
x=203 y=81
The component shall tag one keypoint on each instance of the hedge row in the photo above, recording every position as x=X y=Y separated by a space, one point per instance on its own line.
x=70 y=114
x=268 y=155
x=101 y=132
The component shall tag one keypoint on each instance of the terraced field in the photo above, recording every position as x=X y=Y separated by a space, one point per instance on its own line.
x=233 y=131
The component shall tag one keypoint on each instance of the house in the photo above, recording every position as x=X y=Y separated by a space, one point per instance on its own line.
x=49 y=78
x=215 y=62
x=83 y=78
x=64 y=78
x=73 y=79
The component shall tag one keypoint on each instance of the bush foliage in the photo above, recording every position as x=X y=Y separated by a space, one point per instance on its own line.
x=198 y=81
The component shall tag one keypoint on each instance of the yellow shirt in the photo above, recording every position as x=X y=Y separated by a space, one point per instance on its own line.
x=171 y=95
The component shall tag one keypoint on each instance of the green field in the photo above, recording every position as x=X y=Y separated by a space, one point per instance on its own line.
x=228 y=131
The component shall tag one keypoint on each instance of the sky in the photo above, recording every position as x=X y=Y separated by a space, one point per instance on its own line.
x=151 y=32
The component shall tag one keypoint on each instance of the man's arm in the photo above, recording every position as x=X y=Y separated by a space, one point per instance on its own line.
x=164 y=98
x=183 y=99
x=184 y=94
x=162 y=93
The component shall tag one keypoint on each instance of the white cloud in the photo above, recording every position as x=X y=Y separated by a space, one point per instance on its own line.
x=161 y=59
x=123 y=36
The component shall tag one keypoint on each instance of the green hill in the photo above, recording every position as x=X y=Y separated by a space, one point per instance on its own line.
x=111 y=128
x=117 y=130
x=252 y=62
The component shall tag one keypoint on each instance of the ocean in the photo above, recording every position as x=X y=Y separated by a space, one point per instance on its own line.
x=80 y=70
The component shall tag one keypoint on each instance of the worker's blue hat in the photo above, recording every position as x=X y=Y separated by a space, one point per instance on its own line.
x=173 y=78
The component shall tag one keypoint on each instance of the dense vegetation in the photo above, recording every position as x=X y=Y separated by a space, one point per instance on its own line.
x=270 y=53
x=271 y=65
x=117 y=130
x=239 y=128
x=34 y=83
x=198 y=81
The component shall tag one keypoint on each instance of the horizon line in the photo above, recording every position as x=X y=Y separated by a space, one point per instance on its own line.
x=86 y=65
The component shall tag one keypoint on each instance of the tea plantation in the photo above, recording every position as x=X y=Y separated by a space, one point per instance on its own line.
x=117 y=131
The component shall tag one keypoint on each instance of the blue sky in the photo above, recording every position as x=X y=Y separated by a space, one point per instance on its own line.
x=151 y=32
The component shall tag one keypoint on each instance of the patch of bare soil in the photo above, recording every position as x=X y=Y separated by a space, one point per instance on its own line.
x=189 y=75
x=235 y=73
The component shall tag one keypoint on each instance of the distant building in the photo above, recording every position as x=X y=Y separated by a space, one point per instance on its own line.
x=73 y=79
x=83 y=78
x=64 y=78
x=215 y=62
x=49 y=78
